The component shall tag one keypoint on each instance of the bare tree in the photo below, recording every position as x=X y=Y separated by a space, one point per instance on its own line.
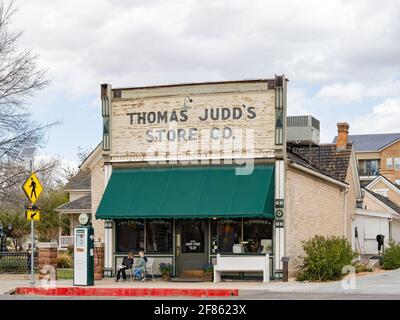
x=83 y=153
x=13 y=174
x=20 y=79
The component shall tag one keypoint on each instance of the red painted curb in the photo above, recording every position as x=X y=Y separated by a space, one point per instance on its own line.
x=132 y=292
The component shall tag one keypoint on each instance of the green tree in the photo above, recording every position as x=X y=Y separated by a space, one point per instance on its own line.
x=20 y=227
x=51 y=221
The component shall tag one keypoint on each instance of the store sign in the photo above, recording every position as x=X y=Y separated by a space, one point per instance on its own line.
x=193 y=245
x=181 y=123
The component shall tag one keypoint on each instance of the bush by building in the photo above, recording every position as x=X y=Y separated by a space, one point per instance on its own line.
x=391 y=257
x=362 y=267
x=64 y=260
x=325 y=258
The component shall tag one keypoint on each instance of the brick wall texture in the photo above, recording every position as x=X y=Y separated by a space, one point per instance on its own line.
x=314 y=207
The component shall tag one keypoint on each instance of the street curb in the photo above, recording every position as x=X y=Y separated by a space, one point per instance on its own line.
x=138 y=292
x=9 y=292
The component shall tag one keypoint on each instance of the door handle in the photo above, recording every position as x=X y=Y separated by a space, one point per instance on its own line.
x=178 y=244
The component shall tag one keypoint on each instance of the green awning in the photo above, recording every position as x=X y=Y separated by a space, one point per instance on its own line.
x=188 y=192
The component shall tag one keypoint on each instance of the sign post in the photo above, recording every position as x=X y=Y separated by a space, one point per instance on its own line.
x=32 y=188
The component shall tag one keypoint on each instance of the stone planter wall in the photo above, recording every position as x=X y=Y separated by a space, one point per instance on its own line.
x=47 y=260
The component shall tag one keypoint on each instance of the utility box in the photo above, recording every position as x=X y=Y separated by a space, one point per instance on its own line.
x=84 y=256
x=303 y=130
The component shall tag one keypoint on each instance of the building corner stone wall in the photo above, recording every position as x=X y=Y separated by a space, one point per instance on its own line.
x=97 y=188
x=98 y=261
x=47 y=260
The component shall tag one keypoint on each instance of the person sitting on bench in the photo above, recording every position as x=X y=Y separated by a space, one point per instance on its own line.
x=127 y=263
x=140 y=266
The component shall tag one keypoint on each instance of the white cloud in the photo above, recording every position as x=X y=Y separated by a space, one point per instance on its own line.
x=341 y=93
x=149 y=42
x=384 y=118
x=297 y=102
x=335 y=53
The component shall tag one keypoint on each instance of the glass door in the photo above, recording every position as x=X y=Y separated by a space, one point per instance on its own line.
x=191 y=247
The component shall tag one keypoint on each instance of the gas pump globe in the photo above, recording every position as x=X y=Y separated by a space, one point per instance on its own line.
x=84 y=252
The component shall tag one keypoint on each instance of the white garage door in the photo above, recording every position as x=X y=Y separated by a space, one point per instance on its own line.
x=368 y=228
x=373 y=227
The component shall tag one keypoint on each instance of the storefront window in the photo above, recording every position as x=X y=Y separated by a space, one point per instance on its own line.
x=225 y=233
x=129 y=235
x=257 y=235
x=159 y=236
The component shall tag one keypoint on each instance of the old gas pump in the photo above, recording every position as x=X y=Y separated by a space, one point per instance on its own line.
x=84 y=253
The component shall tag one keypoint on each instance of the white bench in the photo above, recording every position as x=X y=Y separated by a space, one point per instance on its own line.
x=241 y=264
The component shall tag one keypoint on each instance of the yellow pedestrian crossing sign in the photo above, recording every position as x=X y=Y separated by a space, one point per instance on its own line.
x=32 y=188
x=33 y=215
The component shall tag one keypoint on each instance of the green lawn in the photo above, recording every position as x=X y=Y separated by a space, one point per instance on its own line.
x=65 y=274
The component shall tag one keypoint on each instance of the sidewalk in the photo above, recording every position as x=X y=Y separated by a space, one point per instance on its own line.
x=387 y=282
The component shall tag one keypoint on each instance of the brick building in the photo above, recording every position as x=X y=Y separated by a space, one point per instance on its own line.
x=186 y=203
x=378 y=157
x=377 y=154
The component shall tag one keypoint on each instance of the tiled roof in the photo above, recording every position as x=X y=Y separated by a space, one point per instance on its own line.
x=325 y=159
x=80 y=181
x=386 y=201
x=365 y=183
x=83 y=203
x=371 y=142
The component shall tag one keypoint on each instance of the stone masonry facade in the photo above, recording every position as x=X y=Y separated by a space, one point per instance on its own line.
x=97 y=180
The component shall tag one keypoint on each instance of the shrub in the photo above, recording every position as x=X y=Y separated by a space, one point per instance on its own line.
x=165 y=267
x=362 y=267
x=391 y=257
x=208 y=267
x=325 y=258
x=64 y=260
x=70 y=250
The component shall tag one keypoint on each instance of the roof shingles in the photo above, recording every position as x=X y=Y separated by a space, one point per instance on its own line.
x=81 y=181
x=325 y=159
x=83 y=203
x=371 y=142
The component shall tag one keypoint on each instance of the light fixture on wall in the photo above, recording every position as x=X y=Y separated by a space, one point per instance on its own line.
x=186 y=101
x=108 y=224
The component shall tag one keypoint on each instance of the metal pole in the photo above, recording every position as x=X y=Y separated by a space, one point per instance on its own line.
x=32 y=254
x=32 y=239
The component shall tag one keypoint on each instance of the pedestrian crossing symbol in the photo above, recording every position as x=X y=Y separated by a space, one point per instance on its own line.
x=33 y=215
x=32 y=188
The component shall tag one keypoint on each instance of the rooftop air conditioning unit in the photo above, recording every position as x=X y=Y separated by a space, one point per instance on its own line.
x=302 y=130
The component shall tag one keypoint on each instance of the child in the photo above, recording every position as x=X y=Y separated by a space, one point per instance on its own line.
x=140 y=266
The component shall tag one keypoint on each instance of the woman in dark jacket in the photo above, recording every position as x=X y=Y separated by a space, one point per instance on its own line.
x=127 y=263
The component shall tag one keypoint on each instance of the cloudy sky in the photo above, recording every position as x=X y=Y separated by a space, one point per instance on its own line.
x=342 y=57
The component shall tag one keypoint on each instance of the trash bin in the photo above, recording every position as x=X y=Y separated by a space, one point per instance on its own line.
x=285 y=261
